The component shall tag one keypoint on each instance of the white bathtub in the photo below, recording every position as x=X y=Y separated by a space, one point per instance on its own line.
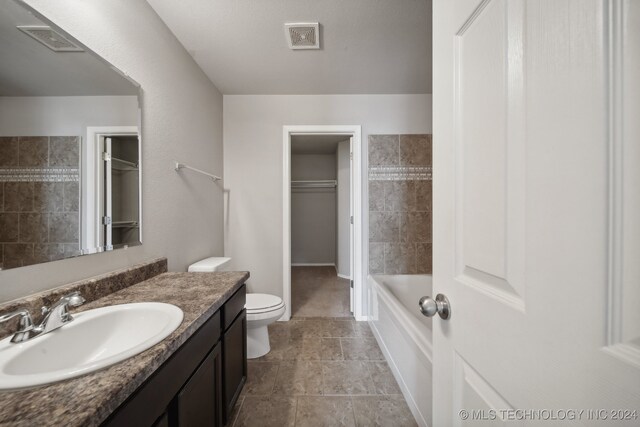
x=404 y=335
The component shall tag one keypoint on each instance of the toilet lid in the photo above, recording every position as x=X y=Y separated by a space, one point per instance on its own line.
x=262 y=302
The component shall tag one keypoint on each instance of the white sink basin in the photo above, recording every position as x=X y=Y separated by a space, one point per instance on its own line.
x=94 y=340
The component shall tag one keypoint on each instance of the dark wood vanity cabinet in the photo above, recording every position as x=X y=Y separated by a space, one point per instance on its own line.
x=234 y=347
x=199 y=384
x=234 y=370
x=199 y=401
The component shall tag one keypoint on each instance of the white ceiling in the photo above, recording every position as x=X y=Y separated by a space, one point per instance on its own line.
x=367 y=46
x=28 y=68
x=316 y=144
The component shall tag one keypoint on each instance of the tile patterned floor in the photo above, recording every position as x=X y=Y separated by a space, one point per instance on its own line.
x=318 y=292
x=321 y=372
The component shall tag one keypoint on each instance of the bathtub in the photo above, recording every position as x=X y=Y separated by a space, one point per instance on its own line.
x=404 y=335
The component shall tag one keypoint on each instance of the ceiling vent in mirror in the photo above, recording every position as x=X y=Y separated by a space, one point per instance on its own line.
x=303 y=35
x=50 y=38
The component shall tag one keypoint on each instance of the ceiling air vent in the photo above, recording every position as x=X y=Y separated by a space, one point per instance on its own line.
x=50 y=38
x=303 y=35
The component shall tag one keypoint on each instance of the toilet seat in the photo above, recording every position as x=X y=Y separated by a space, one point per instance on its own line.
x=263 y=309
x=263 y=303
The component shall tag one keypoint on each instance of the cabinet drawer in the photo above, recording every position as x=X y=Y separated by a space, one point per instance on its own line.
x=233 y=307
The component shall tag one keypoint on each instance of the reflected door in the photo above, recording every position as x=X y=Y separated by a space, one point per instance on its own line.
x=121 y=209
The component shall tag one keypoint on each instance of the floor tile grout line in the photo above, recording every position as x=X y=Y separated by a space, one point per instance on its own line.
x=327 y=395
x=295 y=414
x=322 y=375
x=353 y=411
x=275 y=381
x=368 y=363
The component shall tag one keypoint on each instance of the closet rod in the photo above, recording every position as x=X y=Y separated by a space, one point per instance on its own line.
x=314 y=184
x=183 y=166
x=124 y=224
x=124 y=162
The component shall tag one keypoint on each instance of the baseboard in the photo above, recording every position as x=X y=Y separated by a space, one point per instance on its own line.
x=344 y=276
x=310 y=264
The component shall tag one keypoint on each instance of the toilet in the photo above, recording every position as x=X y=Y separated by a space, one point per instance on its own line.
x=262 y=309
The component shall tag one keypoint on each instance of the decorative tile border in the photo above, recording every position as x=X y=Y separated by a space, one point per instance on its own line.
x=40 y=175
x=400 y=173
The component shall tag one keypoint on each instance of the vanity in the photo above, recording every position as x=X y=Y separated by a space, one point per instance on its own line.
x=200 y=382
x=192 y=377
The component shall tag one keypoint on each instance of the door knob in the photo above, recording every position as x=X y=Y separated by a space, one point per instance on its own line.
x=429 y=307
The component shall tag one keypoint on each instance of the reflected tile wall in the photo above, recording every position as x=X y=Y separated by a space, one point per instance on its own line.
x=39 y=219
x=400 y=231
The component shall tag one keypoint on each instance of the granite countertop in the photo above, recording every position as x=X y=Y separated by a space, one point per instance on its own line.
x=90 y=399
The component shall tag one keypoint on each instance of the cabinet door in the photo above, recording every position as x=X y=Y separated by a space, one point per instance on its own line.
x=234 y=360
x=199 y=401
x=151 y=400
x=163 y=421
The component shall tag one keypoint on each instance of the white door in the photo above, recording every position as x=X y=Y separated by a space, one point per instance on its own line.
x=351 y=229
x=537 y=211
x=107 y=219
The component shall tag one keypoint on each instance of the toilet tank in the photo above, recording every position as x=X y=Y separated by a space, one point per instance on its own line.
x=210 y=264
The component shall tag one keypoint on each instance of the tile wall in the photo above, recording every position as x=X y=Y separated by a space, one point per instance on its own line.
x=39 y=199
x=400 y=204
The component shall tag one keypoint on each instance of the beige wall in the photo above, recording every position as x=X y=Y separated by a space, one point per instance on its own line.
x=253 y=156
x=182 y=120
x=64 y=115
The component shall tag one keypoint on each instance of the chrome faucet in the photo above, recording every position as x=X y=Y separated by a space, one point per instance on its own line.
x=54 y=317
x=58 y=315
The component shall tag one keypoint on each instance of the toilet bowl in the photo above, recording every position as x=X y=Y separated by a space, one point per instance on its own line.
x=262 y=309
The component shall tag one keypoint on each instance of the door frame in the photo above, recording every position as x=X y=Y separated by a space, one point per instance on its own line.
x=355 y=132
x=90 y=187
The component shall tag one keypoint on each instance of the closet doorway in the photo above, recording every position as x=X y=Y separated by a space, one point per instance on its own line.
x=321 y=268
x=111 y=189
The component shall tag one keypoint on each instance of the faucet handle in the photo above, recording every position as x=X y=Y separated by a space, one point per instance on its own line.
x=25 y=326
x=25 y=319
x=73 y=299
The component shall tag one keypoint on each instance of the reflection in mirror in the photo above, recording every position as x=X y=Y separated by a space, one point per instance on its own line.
x=69 y=145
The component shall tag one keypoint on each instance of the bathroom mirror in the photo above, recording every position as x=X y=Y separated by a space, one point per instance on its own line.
x=69 y=145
